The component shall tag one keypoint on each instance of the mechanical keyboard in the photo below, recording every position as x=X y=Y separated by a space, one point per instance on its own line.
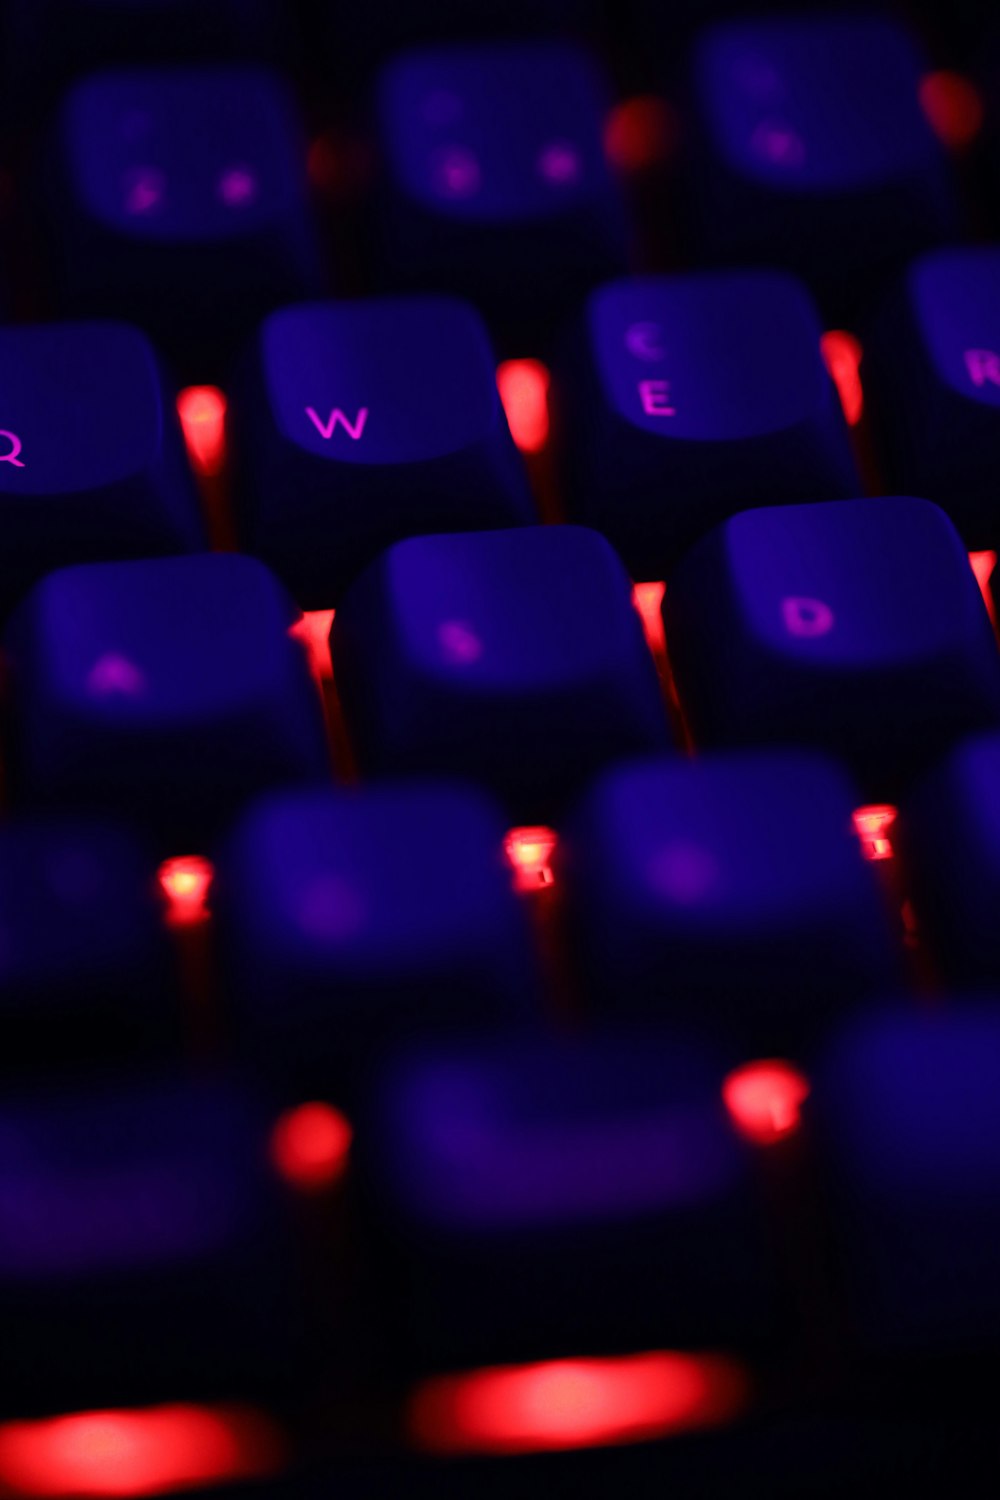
x=500 y=751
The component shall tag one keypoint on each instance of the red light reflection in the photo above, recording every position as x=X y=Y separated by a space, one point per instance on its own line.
x=185 y=883
x=147 y=1451
x=524 y=390
x=310 y=1146
x=842 y=353
x=202 y=410
x=953 y=107
x=765 y=1099
x=984 y=565
x=313 y=630
x=872 y=825
x=639 y=133
x=530 y=851
x=648 y=600
x=575 y=1403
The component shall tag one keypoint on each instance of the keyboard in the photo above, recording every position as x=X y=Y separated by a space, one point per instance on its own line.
x=500 y=751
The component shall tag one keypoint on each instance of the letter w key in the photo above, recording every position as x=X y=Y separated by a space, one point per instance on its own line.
x=326 y=430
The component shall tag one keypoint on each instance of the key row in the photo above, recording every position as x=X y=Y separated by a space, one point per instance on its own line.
x=509 y=1191
x=178 y=197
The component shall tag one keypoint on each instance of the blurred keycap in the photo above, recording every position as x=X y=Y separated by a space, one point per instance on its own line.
x=92 y=464
x=354 y=920
x=359 y=423
x=703 y=891
x=813 y=151
x=84 y=974
x=169 y=691
x=177 y=199
x=685 y=398
x=933 y=367
x=856 y=626
x=541 y=1198
x=495 y=183
x=144 y=1249
x=512 y=657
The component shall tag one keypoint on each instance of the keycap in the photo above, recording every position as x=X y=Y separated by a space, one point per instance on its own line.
x=813 y=152
x=685 y=398
x=950 y=833
x=496 y=187
x=92 y=463
x=352 y=920
x=168 y=691
x=512 y=657
x=702 y=891
x=907 y=1111
x=557 y=1197
x=145 y=1250
x=933 y=374
x=178 y=201
x=84 y=971
x=854 y=625
x=357 y=423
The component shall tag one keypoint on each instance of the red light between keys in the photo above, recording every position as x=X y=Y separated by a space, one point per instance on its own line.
x=530 y=851
x=953 y=107
x=842 y=353
x=524 y=390
x=765 y=1100
x=185 y=883
x=202 y=411
x=149 y=1451
x=575 y=1403
x=310 y=1146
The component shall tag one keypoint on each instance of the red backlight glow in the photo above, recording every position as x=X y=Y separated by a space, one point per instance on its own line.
x=639 y=133
x=984 y=565
x=185 y=883
x=872 y=825
x=648 y=600
x=842 y=353
x=524 y=390
x=530 y=851
x=313 y=630
x=147 y=1451
x=202 y=410
x=575 y=1403
x=310 y=1146
x=765 y=1099
x=953 y=108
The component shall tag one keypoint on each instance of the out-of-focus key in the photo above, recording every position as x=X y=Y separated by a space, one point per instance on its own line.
x=514 y=657
x=83 y=967
x=92 y=464
x=143 y=1249
x=685 y=398
x=814 y=151
x=704 y=891
x=516 y=1183
x=951 y=839
x=355 y=424
x=169 y=691
x=351 y=920
x=496 y=183
x=179 y=202
x=856 y=626
x=933 y=372
x=907 y=1109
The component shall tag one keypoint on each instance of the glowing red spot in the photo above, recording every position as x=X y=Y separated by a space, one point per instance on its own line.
x=147 y=1451
x=185 y=882
x=524 y=390
x=648 y=600
x=574 y=1403
x=872 y=825
x=765 y=1100
x=530 y=852
x=313 y=630
x=639 y=133
x=310 y=1146
x=842 y=354
x=953 y=107
x=984 y=565
x=202 y=410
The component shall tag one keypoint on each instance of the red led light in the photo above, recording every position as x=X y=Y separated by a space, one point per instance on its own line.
x=984 y=565
x=872 y=825
x=765 y=1099
x=530 y=851
x=147 y=1451
x=842 y=354
x=639 y=133
x=953 y=107
x=185 y=882
x=524 y=390
x=313 y=630
x=648 y=600
x=310 y=1146
x=202 y=410
x=574 y=1403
